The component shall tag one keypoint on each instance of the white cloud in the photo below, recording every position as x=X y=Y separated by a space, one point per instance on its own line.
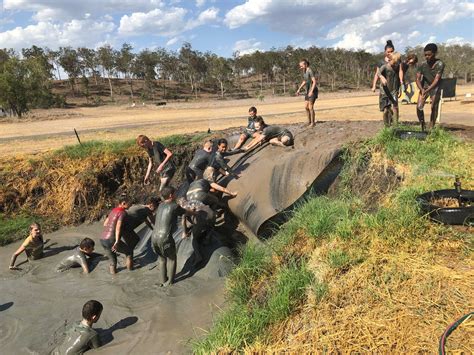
x=207 y=16
x=459 y=41
x=247 y=46
x=173 y=41
x=67 y=9
x=55 y=35
x=157 y=22
x=351 y=24
x=200 y=3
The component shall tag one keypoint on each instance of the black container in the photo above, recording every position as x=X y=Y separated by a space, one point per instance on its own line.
x=448 y=215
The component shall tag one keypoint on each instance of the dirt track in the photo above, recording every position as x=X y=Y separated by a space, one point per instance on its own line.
x=54 y=128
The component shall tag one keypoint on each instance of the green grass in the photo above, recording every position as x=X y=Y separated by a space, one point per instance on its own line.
x=243 y=324
x=15 y=228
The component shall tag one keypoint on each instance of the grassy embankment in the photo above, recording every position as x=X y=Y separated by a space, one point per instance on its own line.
x=76 y=183
x=358 y=271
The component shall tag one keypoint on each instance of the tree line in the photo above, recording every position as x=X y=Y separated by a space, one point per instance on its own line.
x=26 y=78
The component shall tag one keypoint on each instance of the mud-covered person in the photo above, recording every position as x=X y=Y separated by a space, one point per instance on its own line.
x=249 y=131
x=202 y=190
x=33 y=246
x=275 y=135
x=389 y=89
x=81 y=337
x=428 y=80
x=160 y=156
x=114 y=232
x=166 y=224
x=388 y=50
x=199 y=163
x=310 y=83
x=79 y=257
x=218 y=161
x=138 y=214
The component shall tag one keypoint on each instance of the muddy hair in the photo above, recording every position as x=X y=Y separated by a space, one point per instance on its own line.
x=91 y=308
x=222 y=141
x=141 y=139
x=167 y=191
x=389 y=45
x=413 y=56
x=123 y=198
x=260 y=120
x=431 y=47
x=87 y=243
x=305 y=61
x=153 y=201
x=253 y=109
x=35 y=224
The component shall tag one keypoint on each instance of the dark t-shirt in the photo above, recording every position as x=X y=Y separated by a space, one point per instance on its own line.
x=391 y=74
x=136 y=215
x=200 y=185
x=117 y=214
x=166 y=221
x=274 y=131
x=308 y=77
x=200 y=160
x=429 y=72
x=251 y=124
x=157 y=154
x=77 y=258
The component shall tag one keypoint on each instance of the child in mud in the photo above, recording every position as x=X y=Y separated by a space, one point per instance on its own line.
x=250 y=130
x=79 y=257
x=201 y=190
x=81 y=337
x=32 y=246
x=162 y=239
x=275 y=135
x=218 y=158
x=389 y=88
x=428 y=80
x=138 y=214
x=114 y=231
x=160 y=155
x=199 y=163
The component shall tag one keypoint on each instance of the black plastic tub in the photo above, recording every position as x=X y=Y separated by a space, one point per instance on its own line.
x=402 y=134
x=448 y=215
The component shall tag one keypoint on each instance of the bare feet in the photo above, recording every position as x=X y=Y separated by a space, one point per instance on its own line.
x=112 y=269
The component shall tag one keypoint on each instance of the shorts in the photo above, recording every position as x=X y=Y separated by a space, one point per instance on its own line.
x=313 y=97
x=434 y=95
x=168 y=171
x=166 y=248
x=122 y=247
x=290 y=136
x=384 y=100
x=193 y=174
x=247 y=133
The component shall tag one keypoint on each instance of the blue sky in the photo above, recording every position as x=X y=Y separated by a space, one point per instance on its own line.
x=224 y=27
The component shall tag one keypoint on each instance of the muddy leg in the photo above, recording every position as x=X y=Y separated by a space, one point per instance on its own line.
x=386 y=119
x=396 y=114
x=308 y=112
x=162 y=266
x=129 y=262
x=171 y=267
x=419 y=111
x=434 y=108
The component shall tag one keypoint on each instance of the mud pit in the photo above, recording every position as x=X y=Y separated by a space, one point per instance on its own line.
x=139 y=317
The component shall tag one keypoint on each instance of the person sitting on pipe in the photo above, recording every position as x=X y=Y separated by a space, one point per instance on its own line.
x=275 y=135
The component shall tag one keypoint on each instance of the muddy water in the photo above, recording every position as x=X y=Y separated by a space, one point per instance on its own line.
x=138 y=316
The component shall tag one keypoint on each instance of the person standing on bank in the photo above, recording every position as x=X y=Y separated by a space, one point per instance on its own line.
x=428 y=80
x=159 y=155
x=388 y=50
x=309 y=81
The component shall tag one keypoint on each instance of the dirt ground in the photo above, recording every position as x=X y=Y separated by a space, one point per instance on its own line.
x=44 y=130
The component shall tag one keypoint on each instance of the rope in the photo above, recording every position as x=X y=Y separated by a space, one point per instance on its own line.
x=449 y=330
